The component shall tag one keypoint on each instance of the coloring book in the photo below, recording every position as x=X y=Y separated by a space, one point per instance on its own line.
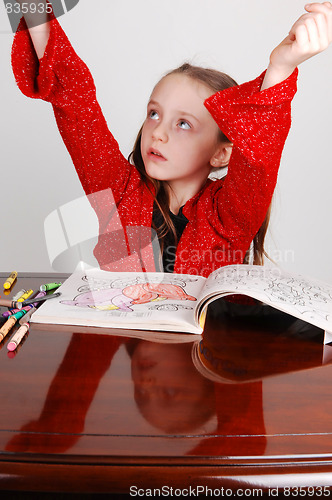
x=178 y=302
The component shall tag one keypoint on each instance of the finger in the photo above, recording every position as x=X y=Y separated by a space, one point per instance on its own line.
x=318 y=29
x=328 y=14
x=298 y=25
x=313 y=34
x=316 y=6
x=324 y=8
x=300 y=34
x=323 y=29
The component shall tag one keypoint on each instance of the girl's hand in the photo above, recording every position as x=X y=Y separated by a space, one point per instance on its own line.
x=309 y=35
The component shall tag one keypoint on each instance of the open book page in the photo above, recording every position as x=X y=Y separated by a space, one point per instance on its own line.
x=303 y=297
x=142 y=301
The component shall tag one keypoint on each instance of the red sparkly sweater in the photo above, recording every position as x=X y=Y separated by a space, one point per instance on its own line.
x=223 y=217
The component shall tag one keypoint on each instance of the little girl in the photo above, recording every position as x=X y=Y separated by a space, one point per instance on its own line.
x=198 y=120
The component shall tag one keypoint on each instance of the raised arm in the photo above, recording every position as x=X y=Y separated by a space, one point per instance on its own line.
x=257 y=123
x=37 y=21
x=63 y=79
x=309 y=35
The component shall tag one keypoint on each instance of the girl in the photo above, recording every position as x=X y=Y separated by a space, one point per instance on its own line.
x=197 y=121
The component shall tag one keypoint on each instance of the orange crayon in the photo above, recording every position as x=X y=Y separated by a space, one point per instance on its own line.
x=5 y=329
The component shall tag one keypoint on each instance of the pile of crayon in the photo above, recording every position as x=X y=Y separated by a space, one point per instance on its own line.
x=21 y=307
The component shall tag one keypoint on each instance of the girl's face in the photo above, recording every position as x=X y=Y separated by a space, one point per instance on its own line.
x=169 y=391
x=179 y=136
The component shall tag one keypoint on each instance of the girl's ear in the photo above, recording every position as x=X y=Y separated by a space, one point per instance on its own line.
x=222 y=155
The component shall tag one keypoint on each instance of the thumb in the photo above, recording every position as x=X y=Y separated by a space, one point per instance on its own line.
x=311 y=7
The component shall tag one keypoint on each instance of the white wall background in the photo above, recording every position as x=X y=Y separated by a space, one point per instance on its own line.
x=128 y=45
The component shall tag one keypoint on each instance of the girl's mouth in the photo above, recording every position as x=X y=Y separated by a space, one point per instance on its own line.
x=155 y=154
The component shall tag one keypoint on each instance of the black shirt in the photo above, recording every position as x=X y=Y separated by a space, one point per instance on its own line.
x=168 y=257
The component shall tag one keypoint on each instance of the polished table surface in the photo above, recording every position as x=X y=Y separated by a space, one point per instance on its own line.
x=247 y=405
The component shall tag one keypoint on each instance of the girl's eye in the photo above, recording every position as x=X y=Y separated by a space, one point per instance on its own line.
x=184 y=125
x=153 y=115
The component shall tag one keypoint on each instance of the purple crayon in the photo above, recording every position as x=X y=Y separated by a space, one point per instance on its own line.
x=6 y=314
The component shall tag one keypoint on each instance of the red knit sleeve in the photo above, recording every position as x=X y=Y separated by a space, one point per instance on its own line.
x=257 y=122
x=64 y=80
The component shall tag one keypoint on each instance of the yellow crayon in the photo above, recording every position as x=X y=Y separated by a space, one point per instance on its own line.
x=25 y=296
x=10 y=280
x=7 y=327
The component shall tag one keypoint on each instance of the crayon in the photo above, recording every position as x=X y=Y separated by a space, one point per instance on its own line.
x=7 y=327
x=27 y=308
x=20 y=305
x=39 y=299
x=49 y=286
x=38 y=295
x=26 y=295
x=7 y=303
x=19 y=294
x=27 y=316
x=10 y=280
x=18 y=315
x=18 y=337
x=6 y=314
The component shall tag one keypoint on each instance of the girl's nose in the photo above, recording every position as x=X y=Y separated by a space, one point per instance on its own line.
x=160 y=133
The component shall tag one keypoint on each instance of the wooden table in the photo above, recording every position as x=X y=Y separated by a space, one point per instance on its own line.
x=247 y=406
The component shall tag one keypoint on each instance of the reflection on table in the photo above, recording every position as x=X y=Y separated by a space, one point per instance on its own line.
x=209 y=388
